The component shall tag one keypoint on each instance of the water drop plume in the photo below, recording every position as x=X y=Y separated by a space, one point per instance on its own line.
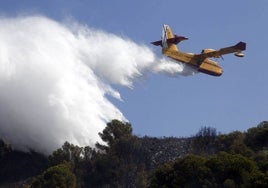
x=55 y=78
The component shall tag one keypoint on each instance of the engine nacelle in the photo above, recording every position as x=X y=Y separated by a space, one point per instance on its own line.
x=207 y=50
x=239 y=54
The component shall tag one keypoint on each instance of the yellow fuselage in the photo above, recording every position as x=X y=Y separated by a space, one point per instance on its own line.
x=206 y=65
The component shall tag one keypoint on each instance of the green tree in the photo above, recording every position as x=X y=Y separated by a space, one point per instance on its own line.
x=163 y=176
x=114 y=132
x=204 y=142
x=79 y=157
x=261 y=159
x=120 y=159
x=229 y=183
x=17 y=165
x=68 y=152
x=257 y=137
x=59 y=176
x=141 y=177
x=235 y=167
x=234 y=143
x=220 y=170
x=190 y=171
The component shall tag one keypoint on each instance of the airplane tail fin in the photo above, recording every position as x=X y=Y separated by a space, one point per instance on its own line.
x=166 y=35
x=169 y=41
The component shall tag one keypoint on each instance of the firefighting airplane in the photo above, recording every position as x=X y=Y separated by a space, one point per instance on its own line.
x=200 y=62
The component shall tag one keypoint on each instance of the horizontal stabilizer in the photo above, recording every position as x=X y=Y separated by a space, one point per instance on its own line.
x=174 y=40
x=157 y=43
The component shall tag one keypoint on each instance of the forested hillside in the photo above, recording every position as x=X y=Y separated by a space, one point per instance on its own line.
x=208 y=159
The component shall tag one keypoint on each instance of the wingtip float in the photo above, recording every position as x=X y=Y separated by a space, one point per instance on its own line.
x=200 y=62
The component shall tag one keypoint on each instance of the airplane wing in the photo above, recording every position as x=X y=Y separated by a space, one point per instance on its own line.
x=217 y=53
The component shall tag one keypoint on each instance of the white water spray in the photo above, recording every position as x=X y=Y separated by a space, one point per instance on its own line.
x=54 y=79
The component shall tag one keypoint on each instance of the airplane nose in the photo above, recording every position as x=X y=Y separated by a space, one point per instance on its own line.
x=219 y=73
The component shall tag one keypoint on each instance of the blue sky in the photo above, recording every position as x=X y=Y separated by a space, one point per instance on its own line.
x=166 y=106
